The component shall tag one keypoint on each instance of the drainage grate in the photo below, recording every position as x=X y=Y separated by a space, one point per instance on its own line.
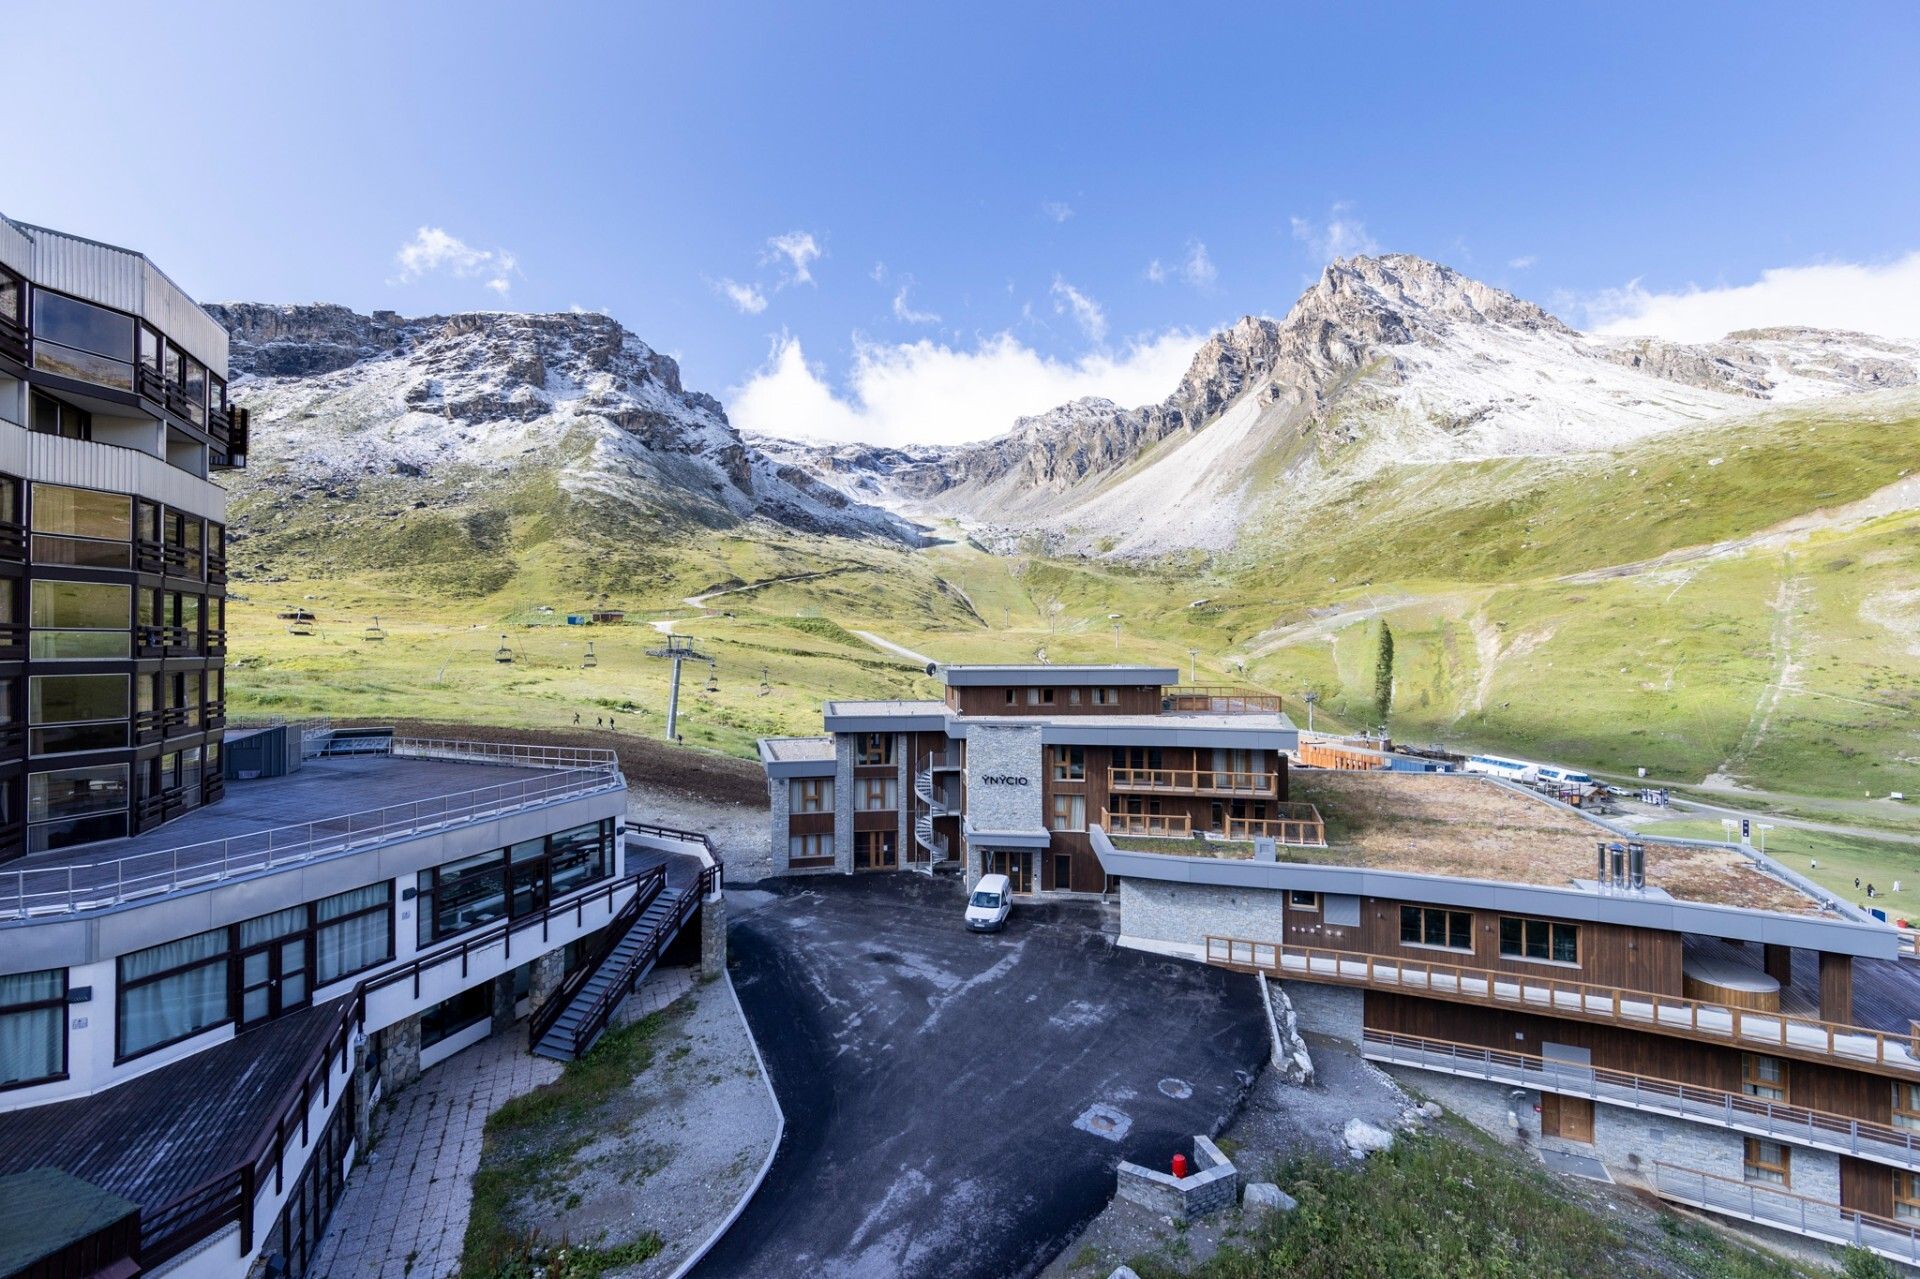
x=1178 y=1089
x=1104 y=1121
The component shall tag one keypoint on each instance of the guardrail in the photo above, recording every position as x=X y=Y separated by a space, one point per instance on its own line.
x=1776 y=1120
x=1298 y=824
x=98 y=884
x=1780 y=1033
x=1775 y=1206
x=1193 y=781
x=1155 y=825
x=229 y=1196
x=1219 y=699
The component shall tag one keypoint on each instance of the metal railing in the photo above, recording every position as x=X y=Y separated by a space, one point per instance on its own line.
x=111 y=881
x=1219 y=699
x=647 y=887
x=1782 y=1034
x=931 y=795
x=1778 y=1206
x=1778 y=1121
x=1193 y=781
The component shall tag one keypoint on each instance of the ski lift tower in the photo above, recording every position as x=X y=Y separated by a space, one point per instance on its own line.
x=679 y=648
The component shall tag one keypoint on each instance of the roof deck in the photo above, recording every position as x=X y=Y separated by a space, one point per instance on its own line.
x=330 y=805
x=1467 y=827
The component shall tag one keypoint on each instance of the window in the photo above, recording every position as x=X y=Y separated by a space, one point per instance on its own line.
x=463 y=1012
x=1106 y=697
x=1073 y=697
x=875 y=850
x=33 y=1027
x=1906 y=1195
x=193 y=382
x=354 y=931
x=1069 y=813
x=81 y=527
x=1069 y=763
x=13 y=298
x=1424 y=926
x=464 y=894
x=1906 y=1106
x=1767 y=1162
x=76 y=339
x=874 y=748
x=76 y=806
x=52 y=417
x=811 y=795
x=64 y=699
x=805 y=847
x=172 y=991
x=1763 y=1077
x=1303 y=901
x=511 y=882
x=1013 y=697
x=80 y=620
x=877 y=794
x=1039 y=697
x=577 y=857
x=1539 y=939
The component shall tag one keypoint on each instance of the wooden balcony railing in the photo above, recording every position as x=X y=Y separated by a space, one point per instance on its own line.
x=1168 y=825
x=149 y=384
x=1294 y=824
x=1192 y=781
x=1776 y=1033
x=1775 y=1120
x=1219 y=699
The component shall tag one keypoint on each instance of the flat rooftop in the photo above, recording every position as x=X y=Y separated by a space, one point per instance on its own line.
x=783 y=750
x=895 y=707
x=1467 y=827
x=964 y=676
x=190 y=850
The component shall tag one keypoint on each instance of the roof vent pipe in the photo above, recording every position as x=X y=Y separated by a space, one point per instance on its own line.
x=1637 y=866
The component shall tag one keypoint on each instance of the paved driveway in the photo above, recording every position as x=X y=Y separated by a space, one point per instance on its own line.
x=933 y=1079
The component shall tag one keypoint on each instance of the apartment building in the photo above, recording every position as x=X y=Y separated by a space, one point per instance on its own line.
x=1692 y=1017
x=212 y=964
x=1014 y=767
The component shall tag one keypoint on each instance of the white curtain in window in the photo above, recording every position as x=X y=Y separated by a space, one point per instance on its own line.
x=30 y=1044
x=351 y=945
x=175 y=1006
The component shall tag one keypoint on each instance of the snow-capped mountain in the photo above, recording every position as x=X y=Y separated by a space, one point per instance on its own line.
x=455 y=404
x=1385 y=360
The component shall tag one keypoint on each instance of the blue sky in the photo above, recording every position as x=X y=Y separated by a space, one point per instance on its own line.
x=903 y=220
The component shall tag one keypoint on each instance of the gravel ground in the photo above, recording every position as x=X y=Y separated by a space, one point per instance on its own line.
x=681 y=1147
x=739 y=832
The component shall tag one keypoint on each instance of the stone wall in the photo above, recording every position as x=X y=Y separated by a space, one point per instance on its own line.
x=1213 y=1186
x=503 y=1001
x=1335 y=1011
x=713 y=935
x=1005 y=751
x=1186 y=913
x=779 y=809
x=549 y=970
x=400 y=1054
x=843 y=802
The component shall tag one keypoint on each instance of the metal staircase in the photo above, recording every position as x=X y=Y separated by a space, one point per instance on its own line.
x=932 y=804
x=568 y=1025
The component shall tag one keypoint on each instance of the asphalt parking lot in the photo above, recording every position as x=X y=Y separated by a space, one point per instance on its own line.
x=956 y=1103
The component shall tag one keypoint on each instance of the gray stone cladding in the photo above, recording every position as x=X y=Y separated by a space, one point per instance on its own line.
x=1187 y=913
x=713 y=935
x=1213 y=1185
x=780 y=806
x=1006 y=751
x=903 y=841
x=400 y=1054
x=1336 y=1011
x=843 y=746
x=1627 y=1141
x=549 y=970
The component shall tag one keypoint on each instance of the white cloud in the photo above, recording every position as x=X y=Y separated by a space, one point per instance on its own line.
x=1058 y=210
x=799 y=250
x=926 y=392
x=1087 y=313
x=1882 y=298
x=879 y=273
x=749 y=300
x=905 y=313
x=1341 y=236
x=1523 y=262
x=432 y=250
x=1196 y=268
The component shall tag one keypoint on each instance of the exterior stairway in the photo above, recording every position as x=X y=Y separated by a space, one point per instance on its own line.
x=932 y=804
x=580 y=1011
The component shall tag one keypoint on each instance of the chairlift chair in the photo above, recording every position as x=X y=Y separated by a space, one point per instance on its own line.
x=376 y=632
x=503 y=654
x=589 y=661
x=765 y=686
x=300 y=626
x=713 y=679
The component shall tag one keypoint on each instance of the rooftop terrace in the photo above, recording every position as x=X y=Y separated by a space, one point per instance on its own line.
x=1469 y=827
x=330 y=805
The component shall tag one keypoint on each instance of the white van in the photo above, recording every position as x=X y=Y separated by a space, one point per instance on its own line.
x=987 y=909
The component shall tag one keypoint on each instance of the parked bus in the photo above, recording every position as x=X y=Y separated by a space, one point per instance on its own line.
x=1514 y=770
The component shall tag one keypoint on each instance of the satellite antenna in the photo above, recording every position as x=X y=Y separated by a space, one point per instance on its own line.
x=678 y=649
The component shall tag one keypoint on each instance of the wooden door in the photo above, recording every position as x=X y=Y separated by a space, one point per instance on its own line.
x=1569 y=1118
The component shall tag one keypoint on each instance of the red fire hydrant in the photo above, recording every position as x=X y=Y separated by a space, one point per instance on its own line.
x=1179 y=1167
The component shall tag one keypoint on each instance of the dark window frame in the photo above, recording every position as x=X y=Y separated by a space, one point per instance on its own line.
x=1427 y=922
x=428 y=883
x=1517 y=940
x=42 y=1005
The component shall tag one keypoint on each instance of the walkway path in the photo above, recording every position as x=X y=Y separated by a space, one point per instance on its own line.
x=404 y=1212
x=887 y=645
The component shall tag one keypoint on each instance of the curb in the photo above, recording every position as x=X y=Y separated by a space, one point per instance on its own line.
x=766 y=1165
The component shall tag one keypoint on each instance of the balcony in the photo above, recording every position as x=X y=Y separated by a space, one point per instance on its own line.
x=1297 y=824
x=1775 y=1033
x=1782 y=1209
x=232 y=455
x=1775 y=1121
x=1150 y=825
x=1219 y=699
x=1189 y=781
x=13 y=541
x=13 y=339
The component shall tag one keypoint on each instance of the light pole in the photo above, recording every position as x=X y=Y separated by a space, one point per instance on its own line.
x=679 y=649
x=1763 y=827
x=1193 y=666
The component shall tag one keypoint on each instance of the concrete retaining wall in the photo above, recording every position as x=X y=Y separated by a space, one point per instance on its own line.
x=1213 y=1186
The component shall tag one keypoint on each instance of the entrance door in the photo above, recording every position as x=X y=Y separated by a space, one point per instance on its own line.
x=1018 y=867
x=1569 y=1118
x=273 y=979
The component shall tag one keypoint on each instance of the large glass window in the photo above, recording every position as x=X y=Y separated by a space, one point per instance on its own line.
x=171 y=991
x=1068 y=763
x=76 y=806
x=81 y=526
x=512 y=882
x=195 y=383
x=80 y=620
x=465 y=894
x=874 y=748
x=578 y=856
x=72 y=699
x=1539 y=939
x=1425 y=926
x=355 y=931
x=33 y=1027
x=448 y=1018
x=76 y=339
x=53 y=417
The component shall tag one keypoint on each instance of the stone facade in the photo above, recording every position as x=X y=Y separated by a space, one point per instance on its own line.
x=1186 y=913
x=400 y=1054
x=713 y=935
x=780 y=810
x=843 y=747
x=1010 y=751
x=549 y=970
x=1213 y=1185
x=1336 y=1011
x=503 y=1001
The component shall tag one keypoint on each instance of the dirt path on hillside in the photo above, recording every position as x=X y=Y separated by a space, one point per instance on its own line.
x=1785 y=604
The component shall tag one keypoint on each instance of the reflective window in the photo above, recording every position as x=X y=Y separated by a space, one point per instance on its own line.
x=81 y=620
x=33 y=1026
x=13 y=297
x=62 y=699
x=79 y=340
x=82 y=527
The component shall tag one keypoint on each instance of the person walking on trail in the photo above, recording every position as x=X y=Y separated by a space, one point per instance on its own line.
x=610 y=724
x=576 y=718
x=597 y=719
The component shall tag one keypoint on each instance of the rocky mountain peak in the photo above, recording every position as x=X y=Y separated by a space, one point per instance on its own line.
x=1398 y=297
